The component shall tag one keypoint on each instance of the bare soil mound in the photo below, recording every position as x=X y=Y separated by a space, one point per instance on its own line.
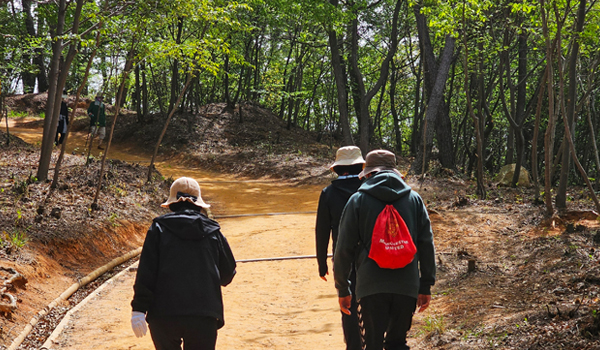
x=255 y=144
x=249 y=140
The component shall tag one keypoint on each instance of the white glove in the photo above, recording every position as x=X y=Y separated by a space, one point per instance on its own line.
x=138 y=323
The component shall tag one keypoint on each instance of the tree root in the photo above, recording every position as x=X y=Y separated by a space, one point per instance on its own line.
x=16 y=279
x=10 y=307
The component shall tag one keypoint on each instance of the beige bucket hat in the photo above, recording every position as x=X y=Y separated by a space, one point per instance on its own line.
x=379 y=160
x=348 y=155
x=183 y=189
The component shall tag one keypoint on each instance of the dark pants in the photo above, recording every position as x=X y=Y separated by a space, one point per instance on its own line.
x=350 y=322
x=196 y=332
x=60 y=132
x=59 y=138
x=385 y=320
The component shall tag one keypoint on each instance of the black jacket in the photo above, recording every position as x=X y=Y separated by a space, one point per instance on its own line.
x=185 y=260
x=331 y=204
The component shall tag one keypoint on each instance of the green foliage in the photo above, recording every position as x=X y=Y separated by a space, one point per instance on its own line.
x=17 y=114
x=434 y=324
x=17 y=239
x=113 y=219
x=13 y=241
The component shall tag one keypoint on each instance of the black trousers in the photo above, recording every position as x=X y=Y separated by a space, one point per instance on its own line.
x=385 y=319
x=350 y=322
x=196 y=332
x=59 y=138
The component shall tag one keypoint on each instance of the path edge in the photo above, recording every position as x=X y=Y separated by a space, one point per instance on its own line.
x=69 y=291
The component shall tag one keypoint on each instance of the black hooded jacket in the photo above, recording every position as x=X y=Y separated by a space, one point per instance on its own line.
x=184 y=262
x=331 y=204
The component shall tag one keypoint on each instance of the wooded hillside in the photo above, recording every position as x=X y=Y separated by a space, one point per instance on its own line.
x=474 y=85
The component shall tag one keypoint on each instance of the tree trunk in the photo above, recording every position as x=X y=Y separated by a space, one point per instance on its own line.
x=561 y=195
x=164 y=130
x=367 y=96
x=340 y=83
x=228 y=104
x=65 y=141
x=481 y=192
x=137 y=95
x=435 y=108
x=26 y=74
x=592 y=112
x=175 y=66
x=49 y=123
x=126 y=70
x=550 y=129
x=520 y=107
x=418 y=113
x=256 y=75
x=145 y=115
x=157 y=90
x=397 y=130
x=534 y=142
x=436 y=116
x=287 y=78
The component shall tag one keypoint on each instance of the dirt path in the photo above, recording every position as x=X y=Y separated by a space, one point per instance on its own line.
x=270 y=304
x=275 y=305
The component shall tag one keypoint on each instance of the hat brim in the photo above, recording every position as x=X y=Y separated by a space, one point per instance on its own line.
x=200 y=203
x=346 y=162
x=368 y=170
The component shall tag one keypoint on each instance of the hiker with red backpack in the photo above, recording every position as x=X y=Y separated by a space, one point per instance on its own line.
x=385 y=231
x=348 y=164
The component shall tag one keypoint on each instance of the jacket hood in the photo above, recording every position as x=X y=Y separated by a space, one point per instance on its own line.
x=187 y=224
x=343 y=185
x=387 y=186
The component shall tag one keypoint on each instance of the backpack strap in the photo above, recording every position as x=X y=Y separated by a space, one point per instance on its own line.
x=360 y=241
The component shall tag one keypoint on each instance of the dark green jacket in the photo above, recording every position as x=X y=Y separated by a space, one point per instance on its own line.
x=97 y=114
x=354 y=240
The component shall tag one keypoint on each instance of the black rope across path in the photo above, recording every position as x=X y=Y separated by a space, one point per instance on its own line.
x=263 y=214
x=297 y=257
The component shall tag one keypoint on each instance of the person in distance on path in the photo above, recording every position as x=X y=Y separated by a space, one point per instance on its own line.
x=348 y=164
x=387 y=297
x=184 y=262
x=97 y=113
x=63 y=121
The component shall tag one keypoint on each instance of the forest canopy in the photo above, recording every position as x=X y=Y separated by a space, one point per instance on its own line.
x=472 y=85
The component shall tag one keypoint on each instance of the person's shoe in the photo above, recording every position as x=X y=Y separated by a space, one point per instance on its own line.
x=100 y=147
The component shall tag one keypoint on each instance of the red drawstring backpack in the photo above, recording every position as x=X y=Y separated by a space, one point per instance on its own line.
x=392 y=246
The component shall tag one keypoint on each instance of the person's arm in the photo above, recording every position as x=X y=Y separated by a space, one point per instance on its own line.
x=92 y=114
x=66 y=113
x=322 y=234
x=227 y=263
x=145 y=280
x=347 y=242
x=102 y=112
x=426 y=250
